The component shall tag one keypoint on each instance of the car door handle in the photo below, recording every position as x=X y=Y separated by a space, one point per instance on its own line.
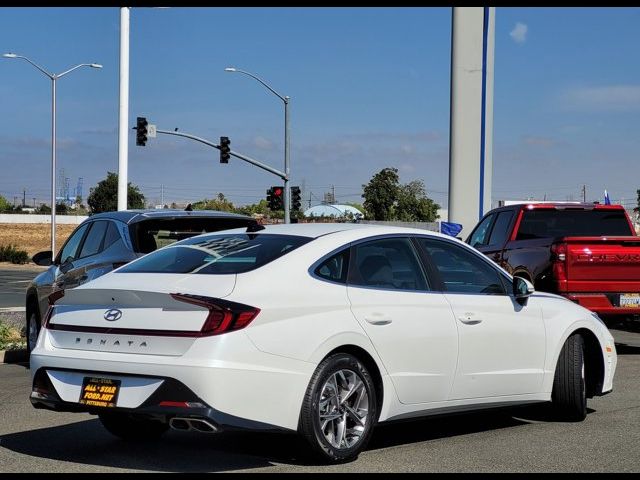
x=378 y=320
x=469 y=319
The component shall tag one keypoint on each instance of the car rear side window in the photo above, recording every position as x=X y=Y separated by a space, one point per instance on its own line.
x=551 y=223
x=334 y=268
x=389 y=264
x=217 y=254
x=94 y=239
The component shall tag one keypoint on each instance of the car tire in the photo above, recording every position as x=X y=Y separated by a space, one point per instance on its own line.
x=339 y=410
x=32 y=329
x=569 y=386
x=132 y=427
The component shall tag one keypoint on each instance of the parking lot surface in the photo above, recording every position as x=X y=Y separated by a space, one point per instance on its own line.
x=517 y=440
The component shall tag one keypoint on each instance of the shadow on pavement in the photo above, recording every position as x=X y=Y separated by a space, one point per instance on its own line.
x=88 y=443
x=624 y=349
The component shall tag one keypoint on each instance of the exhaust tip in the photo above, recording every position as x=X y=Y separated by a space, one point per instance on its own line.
x=179 y=424
x=203 y=426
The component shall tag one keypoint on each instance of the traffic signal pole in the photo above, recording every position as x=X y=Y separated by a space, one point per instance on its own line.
x=247 y=159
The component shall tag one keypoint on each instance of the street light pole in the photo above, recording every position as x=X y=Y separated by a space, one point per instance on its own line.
x=53 y=77
x=287 y=194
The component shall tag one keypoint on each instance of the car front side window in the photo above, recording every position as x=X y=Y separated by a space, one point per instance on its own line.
x=460 y=270
x=70 y=249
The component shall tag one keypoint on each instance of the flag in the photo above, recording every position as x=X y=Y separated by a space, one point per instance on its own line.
x=450 y=228
x=606 y=198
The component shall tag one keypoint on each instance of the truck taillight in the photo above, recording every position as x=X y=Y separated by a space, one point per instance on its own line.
x=559 y=259
x=224 y=316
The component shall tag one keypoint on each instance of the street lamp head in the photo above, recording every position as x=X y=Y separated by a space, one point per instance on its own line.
x=95 y=65
x=9 y=55
x=230 y=69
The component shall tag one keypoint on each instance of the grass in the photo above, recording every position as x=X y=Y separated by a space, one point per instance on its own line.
x=11 y=338
x=10 y=253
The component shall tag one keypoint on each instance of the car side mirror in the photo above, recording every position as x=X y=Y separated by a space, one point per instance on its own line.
x=522 y=289
x=44 y=259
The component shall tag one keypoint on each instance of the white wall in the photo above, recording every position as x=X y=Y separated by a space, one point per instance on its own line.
x=19 y=218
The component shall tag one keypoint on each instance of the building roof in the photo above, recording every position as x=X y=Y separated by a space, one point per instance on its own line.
x=335 y=210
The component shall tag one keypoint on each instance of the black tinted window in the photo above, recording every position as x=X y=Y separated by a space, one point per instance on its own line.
x=462 y=271
x=335 y=267
x=500 y=229
x=387 y=264
x=94 y=239
x=480 y=234
x=112 y=236
x=217 y=254
x=567 y=223
x=71 y=247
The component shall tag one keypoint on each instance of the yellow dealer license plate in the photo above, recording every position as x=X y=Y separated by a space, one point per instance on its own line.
x=630 y=300
x=99 y=392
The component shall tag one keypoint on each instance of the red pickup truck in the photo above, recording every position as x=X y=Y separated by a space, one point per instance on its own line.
x=589 y=253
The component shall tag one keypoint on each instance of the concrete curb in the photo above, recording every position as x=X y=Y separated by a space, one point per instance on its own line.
x=14 y=356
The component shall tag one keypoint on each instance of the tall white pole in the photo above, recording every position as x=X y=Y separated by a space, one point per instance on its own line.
x=53 y=167
x=471 y=127
x=123 y=145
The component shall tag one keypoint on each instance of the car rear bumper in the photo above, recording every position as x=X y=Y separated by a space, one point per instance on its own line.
x=172 y=399
x=604 y=304
x=238 y=385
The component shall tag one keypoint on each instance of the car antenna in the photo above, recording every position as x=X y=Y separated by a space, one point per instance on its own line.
x=255 y=227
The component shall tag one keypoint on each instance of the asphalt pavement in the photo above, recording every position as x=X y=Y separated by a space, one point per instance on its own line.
x=13 y=285
x=517 y=440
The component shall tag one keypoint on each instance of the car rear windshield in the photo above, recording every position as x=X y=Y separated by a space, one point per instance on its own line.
x=217 y=254
x=573 y=223
x=154 y=233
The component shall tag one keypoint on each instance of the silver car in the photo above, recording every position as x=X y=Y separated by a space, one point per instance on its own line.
x=109 y=240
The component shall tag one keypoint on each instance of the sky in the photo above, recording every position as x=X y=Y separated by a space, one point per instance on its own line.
x=369 y=89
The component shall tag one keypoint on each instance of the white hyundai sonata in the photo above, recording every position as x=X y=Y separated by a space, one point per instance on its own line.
x=323 y=329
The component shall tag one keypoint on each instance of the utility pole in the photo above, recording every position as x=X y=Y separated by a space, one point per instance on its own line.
x=309 y=199
x=584 y=193
x=24 y=197
x=15 y=199
x=162 y=195
x=333 y=194
x=34 y=202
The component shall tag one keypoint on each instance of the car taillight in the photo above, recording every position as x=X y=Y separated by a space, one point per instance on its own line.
x=224 y=316
x=53 y=298
x=559 y=259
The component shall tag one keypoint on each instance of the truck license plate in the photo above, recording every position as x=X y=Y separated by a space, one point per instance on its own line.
x=630 y=300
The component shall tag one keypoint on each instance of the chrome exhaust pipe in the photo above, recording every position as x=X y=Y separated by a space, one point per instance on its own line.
x=192 y=424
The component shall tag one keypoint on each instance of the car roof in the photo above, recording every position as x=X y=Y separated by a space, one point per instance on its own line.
x=315 y=230
x=135 y=216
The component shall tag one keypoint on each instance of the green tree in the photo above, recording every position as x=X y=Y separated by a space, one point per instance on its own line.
x=385 y=198
x=5 y=206
x=104 y=197
x=381 y=194
x=220 y=203
x=260 y=208
x=414 y=205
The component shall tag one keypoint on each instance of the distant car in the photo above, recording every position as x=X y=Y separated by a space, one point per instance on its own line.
x=320 y=329
x=108 y=240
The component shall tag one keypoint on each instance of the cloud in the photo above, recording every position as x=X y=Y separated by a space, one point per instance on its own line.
x=519 y=33
x=617 y=98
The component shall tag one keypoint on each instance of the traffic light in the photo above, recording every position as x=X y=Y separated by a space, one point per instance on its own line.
x=141 y=131
x=225 y=149
x=274 y=197
x=296 y=201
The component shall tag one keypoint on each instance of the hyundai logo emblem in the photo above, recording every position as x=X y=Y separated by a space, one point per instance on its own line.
x=112 y=315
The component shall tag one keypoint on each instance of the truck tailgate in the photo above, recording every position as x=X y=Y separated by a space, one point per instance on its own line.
x=603 y=264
